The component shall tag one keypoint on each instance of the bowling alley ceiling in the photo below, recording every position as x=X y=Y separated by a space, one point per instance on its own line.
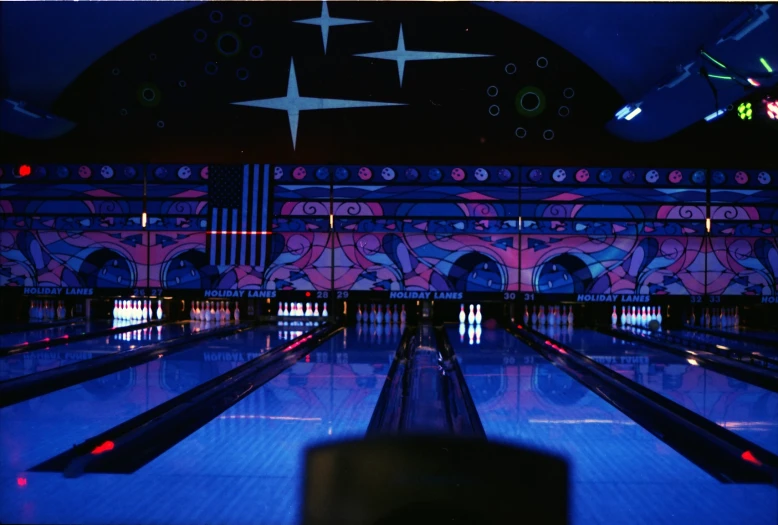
x=324 y=81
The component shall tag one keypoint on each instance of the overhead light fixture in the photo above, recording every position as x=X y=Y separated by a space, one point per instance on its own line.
x=714 y=115
x=753 y=82
x=628 y=112
x=634 y=113
x=745 y=111
x=766 y=65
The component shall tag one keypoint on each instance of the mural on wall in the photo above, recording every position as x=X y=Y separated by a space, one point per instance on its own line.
x=378 y=228
x=73 y=226
x=742 y=256
x=609 y=230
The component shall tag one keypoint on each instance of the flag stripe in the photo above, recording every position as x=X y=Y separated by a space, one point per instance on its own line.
x=265 y=193
x=226 y=226
x=214 y=237
x=234 y=238
x=244 y=214
x=253 y=259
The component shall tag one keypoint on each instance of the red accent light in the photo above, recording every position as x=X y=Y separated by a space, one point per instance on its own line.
x=772 y=109
x=519 y=326
x=46 y=339
x=24 y=170
x=22 y=482
x=225 y=232
x=748 y=456
x=753 y=82
x=65 y=336
x=105 y=447
x=549 y=343
x=307 y=294
x=308 y=358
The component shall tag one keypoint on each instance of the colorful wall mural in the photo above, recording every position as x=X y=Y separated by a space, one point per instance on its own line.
x=390 y=228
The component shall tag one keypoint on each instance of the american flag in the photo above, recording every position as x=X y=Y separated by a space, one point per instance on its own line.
x=238 y=214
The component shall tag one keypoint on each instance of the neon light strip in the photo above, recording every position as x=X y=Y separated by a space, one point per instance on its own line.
x=766 y=65
x=722 y=66
x=721 y=77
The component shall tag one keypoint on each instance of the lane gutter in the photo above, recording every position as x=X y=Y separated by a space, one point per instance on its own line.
x=45 y=382
x=762 y=377
x=719 y=452
x=134 y=443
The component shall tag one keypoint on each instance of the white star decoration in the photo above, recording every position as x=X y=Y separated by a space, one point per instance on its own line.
x=293 y=104
x=326 y=23
x=401 y=55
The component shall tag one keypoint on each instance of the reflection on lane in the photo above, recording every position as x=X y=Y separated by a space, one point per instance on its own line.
x=331 y=394
x=620 y=472
x=45 y=426
x=745 y=409
x=25 y=363
x=35 y=335
x=728 y=342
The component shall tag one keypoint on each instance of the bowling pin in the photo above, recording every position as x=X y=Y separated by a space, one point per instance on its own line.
x=643 y=317
x=115 y=308
x=614 y=317
x=736 y=318
x=227 y=313
x=403 y=316
x=280 y=309
x=144 y=313
x=388 y=315
x=32 y=310
x=372 y=314
x=359 y=313
x=478 y=316
x=659 y=315
x=324 y=310
x=471 y=316
x=692 y=319
x=159 y=309
x=526 y=315
x=316 y=310
x=707 y=318
x=462 y=315
x=570 y=318
x=542 y=316
x=534 y=315
x=237 y=312
x=308 y=310
x=395 y=315
x=623 y=317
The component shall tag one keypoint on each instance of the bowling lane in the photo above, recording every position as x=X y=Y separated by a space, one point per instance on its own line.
x=747 y=410
x=40 y=333
x=40 y=428
x=730 y=342
x=244 y=467
x=25 y=363
x=620 y=473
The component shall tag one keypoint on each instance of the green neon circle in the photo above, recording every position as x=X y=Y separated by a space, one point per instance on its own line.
x=232 y=35
x=531 y=112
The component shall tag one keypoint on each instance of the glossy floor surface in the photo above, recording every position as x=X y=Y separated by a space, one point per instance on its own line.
x=245 y=466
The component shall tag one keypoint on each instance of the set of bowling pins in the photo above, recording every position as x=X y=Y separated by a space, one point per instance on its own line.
x=213 y=311
x=474 y=317
x=557 y=316
x=297 y=310
x=136 y=310
x=144 y=334
x=719 y=318
x=45 y=311
x=376 y=315
x=636 y=316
